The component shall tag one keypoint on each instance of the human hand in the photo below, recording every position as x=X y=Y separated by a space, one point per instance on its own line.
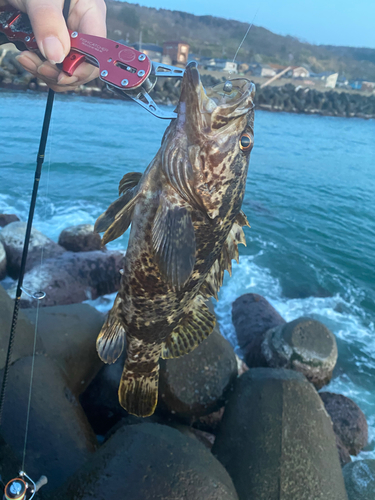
x=52 y=37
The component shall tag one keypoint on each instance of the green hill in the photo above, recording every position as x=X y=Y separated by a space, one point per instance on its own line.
x=211 y=36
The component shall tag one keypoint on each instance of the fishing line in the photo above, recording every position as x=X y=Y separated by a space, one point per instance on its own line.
x=37 y=310
x=247 y=32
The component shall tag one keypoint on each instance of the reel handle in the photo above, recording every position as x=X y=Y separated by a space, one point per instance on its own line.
x=41 y=482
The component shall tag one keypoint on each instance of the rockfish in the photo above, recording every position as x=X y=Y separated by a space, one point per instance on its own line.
x=186 y=223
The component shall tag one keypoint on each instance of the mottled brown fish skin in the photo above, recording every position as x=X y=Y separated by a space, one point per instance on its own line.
x=199 y=173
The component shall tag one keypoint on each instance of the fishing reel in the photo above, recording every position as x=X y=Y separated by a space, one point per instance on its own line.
x=23 y=487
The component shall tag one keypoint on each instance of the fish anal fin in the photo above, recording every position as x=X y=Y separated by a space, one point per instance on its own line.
x=138 y=392
x=173 y=241
x=195 y=327
x=121 y=223
x=111 y=338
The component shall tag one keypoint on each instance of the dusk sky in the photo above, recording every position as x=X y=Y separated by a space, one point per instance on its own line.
x=333 y=22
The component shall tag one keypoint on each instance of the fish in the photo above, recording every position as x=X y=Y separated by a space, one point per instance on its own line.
x=186 y=224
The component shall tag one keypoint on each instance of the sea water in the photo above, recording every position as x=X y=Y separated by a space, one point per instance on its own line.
x=310 y=200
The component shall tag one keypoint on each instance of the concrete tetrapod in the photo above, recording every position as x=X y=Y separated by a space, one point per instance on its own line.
x=276 y=439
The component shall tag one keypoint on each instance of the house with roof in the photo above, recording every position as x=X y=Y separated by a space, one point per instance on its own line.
x=153 y=51
x=178 y=52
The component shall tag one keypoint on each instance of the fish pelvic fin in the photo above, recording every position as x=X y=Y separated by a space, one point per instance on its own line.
x=195 y=327
x=214 y=279
x=111 y=338
x=173 y=241
x=138 y=391
x=117 y=218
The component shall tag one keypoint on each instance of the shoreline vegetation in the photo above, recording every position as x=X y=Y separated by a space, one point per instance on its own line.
x=278 y=98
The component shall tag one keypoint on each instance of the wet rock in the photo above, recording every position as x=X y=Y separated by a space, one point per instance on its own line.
x=196 y=384
x=149 y=461
x=69 y=335
x=344 y=455
x=252 y=316
x=276 y=440
x=80 y=238
x=24 y=337
x=304 y=345
x=73 y=277
x=359 y=479
x=60 y=438
x=349 y=421
x=3 y=262
x=6 y=219
x=12 y=237
x=100 y=399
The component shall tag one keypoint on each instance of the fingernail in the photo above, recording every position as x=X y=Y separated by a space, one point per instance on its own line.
x=63 y=79
x=52 y=49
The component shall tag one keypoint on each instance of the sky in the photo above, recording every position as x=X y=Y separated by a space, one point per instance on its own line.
x=328 y=22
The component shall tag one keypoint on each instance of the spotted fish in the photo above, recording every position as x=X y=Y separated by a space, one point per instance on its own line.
x=186 y=223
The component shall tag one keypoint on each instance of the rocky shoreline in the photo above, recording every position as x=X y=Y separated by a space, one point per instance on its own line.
x=287 y=98
x=224 y=428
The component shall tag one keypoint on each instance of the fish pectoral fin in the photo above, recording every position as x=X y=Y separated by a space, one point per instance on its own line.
x=111 y=339
x=128 y=182
x=173 y=241
x=138 y=391
x=196 y=326
x=241 y=219
x=119 y=213
x=121 y=221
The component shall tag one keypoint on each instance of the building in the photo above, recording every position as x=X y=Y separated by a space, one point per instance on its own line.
x=220 y=65
x=153 y=51
x=264 y=70
x=300 y=72
x=177 y=51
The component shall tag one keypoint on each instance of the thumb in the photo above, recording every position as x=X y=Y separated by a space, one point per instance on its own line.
x=49 y=28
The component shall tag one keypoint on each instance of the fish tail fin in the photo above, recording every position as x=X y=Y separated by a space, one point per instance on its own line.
x=138 y=391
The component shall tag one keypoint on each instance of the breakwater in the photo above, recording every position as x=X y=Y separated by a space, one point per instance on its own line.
x=287 y=98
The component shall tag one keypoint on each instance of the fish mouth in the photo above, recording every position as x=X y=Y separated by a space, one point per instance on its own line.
x=218 y=105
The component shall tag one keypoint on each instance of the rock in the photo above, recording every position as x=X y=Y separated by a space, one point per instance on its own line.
x=3 y=262
x=80 y=238
x=196 y=384
x=149 y=461
x=12 y=237
x=10 y=465
x=69 y=336
x=359 y=479
x=344 y=455
x=304 y=345
x=210 y=423
x=349 y=421
x=252 y=316
x=24 y=337
x=60 y=438
x=6 y=219
x=73 y=277
x=276 y=440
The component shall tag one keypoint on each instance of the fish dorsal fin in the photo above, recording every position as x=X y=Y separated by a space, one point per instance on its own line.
x=110 y=341
x=173 y=241
x=214 y=280
x=196 y=326
x=129 y=181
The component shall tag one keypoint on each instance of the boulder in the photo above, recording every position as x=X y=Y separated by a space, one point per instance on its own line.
x=10 y=465
x=252 y=316
x=13 y=236
x=60 y=438
x=196 y=384
x=149 y=461
x=73 y=277
x=24 y=337
x=80 y=238
x=69 y=336
x=6 y=219
x=344 y=455
x=276 y=440
x=349 y=421
x=304 y=345
x=3 y=262
x=359 y=479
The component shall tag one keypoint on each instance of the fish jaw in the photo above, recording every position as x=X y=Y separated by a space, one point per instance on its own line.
x=201 y=150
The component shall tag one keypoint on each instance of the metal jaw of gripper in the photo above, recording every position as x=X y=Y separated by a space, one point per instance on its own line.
x=23 y=487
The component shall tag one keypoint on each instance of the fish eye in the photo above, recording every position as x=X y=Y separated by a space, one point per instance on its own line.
x=246 y=142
